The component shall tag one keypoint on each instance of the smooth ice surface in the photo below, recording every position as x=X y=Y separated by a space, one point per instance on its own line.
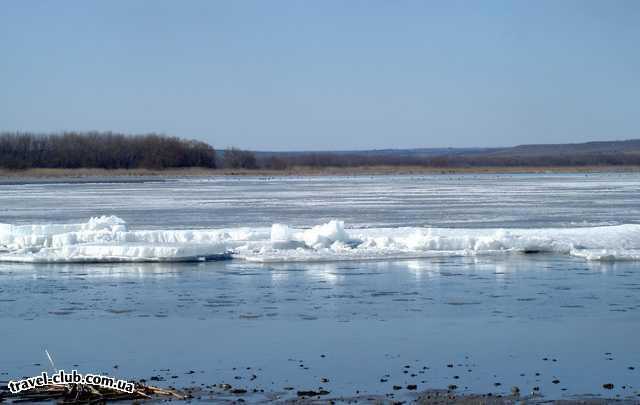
x=441 y=201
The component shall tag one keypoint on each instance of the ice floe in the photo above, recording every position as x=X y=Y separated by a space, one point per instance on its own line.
x=110 y=239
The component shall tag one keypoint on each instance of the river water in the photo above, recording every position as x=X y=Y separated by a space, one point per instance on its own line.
x=480 y=314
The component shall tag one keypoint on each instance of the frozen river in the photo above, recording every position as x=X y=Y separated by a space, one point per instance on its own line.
x=467 y=201
x=480 y=281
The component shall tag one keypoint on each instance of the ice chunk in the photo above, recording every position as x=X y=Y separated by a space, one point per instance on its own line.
x=324 y=235
x=108 y=238
x=283 y=237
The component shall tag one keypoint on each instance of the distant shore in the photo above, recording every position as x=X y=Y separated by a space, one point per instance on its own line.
x=305 y=171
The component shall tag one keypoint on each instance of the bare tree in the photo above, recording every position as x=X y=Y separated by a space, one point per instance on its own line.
x=234 y=158
x=102 y=150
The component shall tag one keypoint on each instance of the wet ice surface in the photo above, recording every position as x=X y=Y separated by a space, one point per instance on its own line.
x=491 y=318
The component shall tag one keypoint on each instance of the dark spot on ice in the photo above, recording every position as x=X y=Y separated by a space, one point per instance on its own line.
x=458 y=303
x=383 y=293
x=250 y=316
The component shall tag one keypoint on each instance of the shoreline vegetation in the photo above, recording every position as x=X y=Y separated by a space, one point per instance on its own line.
x=107 y=154
x=303 y=171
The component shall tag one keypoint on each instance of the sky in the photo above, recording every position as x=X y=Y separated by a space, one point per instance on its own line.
x=325 y=75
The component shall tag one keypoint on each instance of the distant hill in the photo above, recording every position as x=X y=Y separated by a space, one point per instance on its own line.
x=575 y=154
x=417 y=152
x=368 y=154
x=600 y=147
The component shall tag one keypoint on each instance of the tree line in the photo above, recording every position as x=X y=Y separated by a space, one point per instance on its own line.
x=108 y=150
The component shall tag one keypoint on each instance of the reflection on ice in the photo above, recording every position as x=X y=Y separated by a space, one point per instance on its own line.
x=97 y=270
x=544 y=286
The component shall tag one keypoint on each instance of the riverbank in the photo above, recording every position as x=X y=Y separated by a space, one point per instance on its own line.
x=304 y=171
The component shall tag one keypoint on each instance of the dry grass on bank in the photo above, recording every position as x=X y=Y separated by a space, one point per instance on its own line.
x=301 y=171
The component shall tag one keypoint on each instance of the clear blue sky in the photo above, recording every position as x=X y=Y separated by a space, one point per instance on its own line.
x=292 y=75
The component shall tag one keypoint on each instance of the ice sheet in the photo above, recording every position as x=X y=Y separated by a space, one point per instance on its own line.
x=109 y=239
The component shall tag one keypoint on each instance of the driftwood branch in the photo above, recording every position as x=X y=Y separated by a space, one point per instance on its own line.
x=86 y=394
